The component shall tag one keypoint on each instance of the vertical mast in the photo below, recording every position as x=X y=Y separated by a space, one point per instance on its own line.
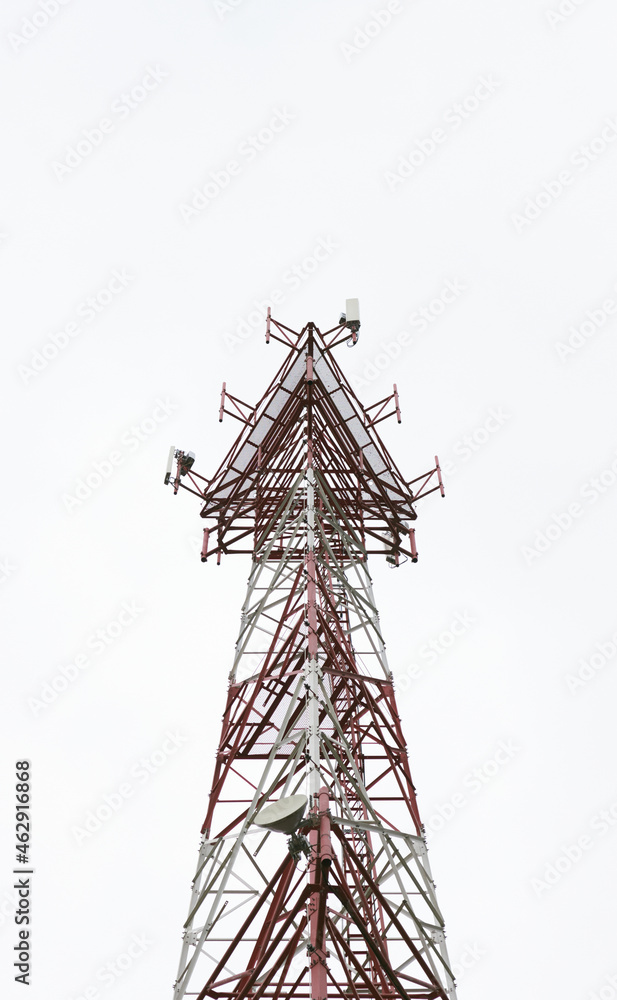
x=347 y=907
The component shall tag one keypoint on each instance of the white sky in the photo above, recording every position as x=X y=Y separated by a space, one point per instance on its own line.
x=349 y=116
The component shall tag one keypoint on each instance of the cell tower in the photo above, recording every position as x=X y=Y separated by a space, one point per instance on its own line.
x=313 y=878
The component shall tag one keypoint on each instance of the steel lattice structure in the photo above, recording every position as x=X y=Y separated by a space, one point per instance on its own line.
x=348 y=909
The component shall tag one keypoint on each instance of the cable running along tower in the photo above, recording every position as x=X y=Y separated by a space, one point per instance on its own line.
x=313 y=878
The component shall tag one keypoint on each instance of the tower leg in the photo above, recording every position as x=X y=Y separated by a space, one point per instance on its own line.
x=321 y=859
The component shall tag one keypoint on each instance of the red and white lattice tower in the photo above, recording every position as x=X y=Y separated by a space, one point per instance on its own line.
x=313 y=878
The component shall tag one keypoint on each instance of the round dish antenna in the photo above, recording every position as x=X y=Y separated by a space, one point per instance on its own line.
x=283 y=816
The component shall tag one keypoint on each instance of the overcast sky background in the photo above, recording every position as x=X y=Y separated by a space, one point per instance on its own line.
x=472 y=144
